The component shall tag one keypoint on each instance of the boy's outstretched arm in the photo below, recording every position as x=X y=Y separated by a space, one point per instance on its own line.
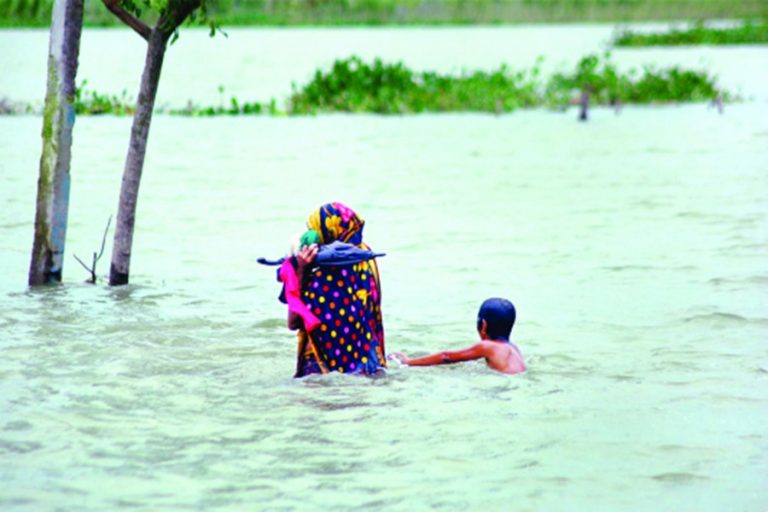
x=476 y=351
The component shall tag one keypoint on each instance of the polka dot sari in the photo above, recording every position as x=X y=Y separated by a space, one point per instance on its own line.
x=346 y=299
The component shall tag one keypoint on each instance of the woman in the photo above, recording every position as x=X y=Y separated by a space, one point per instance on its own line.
x=346 y=300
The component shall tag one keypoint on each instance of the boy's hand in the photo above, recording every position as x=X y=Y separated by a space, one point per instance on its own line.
x=404 y=359
x=306 y=256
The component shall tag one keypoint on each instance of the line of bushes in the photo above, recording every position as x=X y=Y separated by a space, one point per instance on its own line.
x=89 y=102
x=353 y=85
x=234 y=108
x=94 y=103
x=748 y=33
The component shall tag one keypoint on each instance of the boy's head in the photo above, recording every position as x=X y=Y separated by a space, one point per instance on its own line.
x=496 y=318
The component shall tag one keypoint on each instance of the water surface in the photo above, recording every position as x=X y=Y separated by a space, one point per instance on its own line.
x=633 y=246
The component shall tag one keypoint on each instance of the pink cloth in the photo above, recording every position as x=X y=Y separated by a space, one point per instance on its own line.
x=293 y=296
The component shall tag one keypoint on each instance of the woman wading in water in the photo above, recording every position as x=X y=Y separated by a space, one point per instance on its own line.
x=346 y=334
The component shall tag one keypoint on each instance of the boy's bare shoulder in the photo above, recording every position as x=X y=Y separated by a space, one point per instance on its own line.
x=495 y=346
x=504 y=356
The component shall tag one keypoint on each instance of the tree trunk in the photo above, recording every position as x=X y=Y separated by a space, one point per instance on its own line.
x=134 y=162
x=58 y=120
x=584 y=105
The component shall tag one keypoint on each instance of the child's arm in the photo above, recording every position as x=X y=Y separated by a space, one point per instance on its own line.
x=476 y=351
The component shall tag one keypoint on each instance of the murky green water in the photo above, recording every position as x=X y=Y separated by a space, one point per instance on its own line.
x=633 y=246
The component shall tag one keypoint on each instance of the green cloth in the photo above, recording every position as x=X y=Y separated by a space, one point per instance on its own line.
x=311 y=237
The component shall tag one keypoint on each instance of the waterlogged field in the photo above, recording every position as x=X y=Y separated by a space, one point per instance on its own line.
x=633 y=246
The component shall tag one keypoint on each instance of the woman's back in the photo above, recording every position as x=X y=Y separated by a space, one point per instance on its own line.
x=347 y=301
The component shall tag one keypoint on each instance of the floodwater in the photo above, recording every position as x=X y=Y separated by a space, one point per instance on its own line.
x=634 y=247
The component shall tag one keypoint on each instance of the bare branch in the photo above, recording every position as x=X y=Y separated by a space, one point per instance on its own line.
x=129 y=19
x=86 y=267
x=92 y=270
x=96 y=257
x=103 y=240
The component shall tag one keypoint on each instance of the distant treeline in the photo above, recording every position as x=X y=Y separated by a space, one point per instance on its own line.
x=373 y=12
x=748 y=33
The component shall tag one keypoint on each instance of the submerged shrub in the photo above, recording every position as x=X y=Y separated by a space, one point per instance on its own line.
x=90 y=102
x=94 y=103
x=351 y=85
x=607 y=86
x=598 y=77
x=671 y=85
x=235 y=108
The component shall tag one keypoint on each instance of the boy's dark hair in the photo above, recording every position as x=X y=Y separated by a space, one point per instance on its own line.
x=499 y=315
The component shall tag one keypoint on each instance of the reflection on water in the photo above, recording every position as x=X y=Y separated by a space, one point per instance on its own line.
x=633 y=247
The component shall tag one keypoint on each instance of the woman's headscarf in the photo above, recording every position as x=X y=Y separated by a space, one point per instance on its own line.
x=346 y=299
x=334 y=221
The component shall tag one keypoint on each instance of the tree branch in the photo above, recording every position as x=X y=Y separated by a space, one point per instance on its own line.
x=92 y=270
x=86 y=267
x=96 y=257
x=176 y=16
x=103 y=240
x=129 y=19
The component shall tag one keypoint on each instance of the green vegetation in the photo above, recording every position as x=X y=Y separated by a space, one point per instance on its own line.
x=607 y=86
x=94 y=103
x=25 y=12
x=748 y=33
x=377 y=12
x=352 y=85
x=235 y=108
x=88 y=102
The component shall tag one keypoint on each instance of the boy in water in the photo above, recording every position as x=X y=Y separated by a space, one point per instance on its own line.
x=494 y=325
